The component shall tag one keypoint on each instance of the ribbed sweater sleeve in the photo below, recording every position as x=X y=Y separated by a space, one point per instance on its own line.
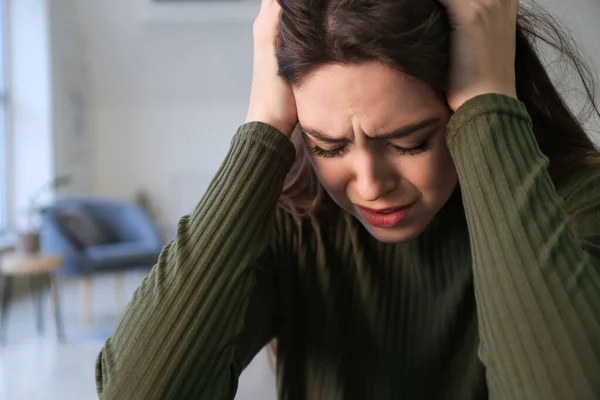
x=178 y=337
x=537 y=284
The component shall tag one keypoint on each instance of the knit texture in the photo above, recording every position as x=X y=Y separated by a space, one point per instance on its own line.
x=498 y=298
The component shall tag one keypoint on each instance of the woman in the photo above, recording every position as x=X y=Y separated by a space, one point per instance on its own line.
x=449 y=249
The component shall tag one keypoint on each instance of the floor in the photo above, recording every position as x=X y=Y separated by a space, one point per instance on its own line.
x=34 y=367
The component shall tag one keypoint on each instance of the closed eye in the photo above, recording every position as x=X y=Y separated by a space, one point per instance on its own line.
x=398 y=150
x=320 y=152
x=410 y=151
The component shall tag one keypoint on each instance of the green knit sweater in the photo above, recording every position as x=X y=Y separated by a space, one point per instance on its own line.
x=499 y=297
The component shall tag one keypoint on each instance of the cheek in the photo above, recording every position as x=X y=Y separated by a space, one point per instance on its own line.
x=434 y=175
x=333 y=175
x=431 y=176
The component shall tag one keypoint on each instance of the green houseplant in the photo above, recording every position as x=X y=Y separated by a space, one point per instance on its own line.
x=29 y=237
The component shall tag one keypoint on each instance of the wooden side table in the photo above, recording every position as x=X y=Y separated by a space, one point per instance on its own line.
x=39 y=270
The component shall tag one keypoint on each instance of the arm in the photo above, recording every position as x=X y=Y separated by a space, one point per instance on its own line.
x=537 y=284
x=202 y=313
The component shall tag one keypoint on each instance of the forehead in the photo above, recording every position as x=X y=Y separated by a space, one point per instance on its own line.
x=370 y=96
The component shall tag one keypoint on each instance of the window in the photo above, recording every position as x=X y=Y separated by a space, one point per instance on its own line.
x=3 y=119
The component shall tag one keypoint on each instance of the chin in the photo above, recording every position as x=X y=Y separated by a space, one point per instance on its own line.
x=394 y=235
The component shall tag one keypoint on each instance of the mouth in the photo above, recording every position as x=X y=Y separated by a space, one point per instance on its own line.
x=385 y=217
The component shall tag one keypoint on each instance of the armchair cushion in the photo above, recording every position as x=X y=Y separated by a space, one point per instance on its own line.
x=118 y=235
x=116 y=255
x=79 y=226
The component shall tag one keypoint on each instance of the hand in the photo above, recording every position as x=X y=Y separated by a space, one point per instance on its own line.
x=271 y=99
x=483 y=48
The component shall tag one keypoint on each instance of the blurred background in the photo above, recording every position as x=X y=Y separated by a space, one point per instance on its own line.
x=114 y=116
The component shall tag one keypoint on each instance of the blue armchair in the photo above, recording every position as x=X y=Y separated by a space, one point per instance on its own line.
x=124 y=236
x=96 y=235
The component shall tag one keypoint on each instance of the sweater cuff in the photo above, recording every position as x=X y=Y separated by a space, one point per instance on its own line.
x=493 y=145
x=267 y=137
x=483 y=105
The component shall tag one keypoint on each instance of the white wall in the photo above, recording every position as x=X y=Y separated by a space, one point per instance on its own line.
x=581 y=17
x=167 y=98
x=71 y=140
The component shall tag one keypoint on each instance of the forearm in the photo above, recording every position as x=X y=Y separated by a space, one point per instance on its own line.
x=176 y=339
x=537 y=291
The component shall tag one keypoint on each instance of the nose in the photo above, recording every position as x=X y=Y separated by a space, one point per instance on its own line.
x=375 y=177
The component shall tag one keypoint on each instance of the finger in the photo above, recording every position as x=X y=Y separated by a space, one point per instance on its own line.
x=266 y=4
x=454 y=7
x=273 y=14
x=276 y=9
x=516 y=4
x=266 y=24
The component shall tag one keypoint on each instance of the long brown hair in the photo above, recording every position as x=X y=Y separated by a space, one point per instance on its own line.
x=413 y=36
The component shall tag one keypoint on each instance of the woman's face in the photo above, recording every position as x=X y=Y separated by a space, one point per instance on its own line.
x=376 y=139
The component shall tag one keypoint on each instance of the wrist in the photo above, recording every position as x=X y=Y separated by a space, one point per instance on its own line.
x=483 y=90
x=283 y=127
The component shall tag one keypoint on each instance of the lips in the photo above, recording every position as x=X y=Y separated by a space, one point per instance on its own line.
x=387 y=217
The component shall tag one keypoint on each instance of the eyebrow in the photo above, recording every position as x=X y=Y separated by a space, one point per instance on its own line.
x=404 y=132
